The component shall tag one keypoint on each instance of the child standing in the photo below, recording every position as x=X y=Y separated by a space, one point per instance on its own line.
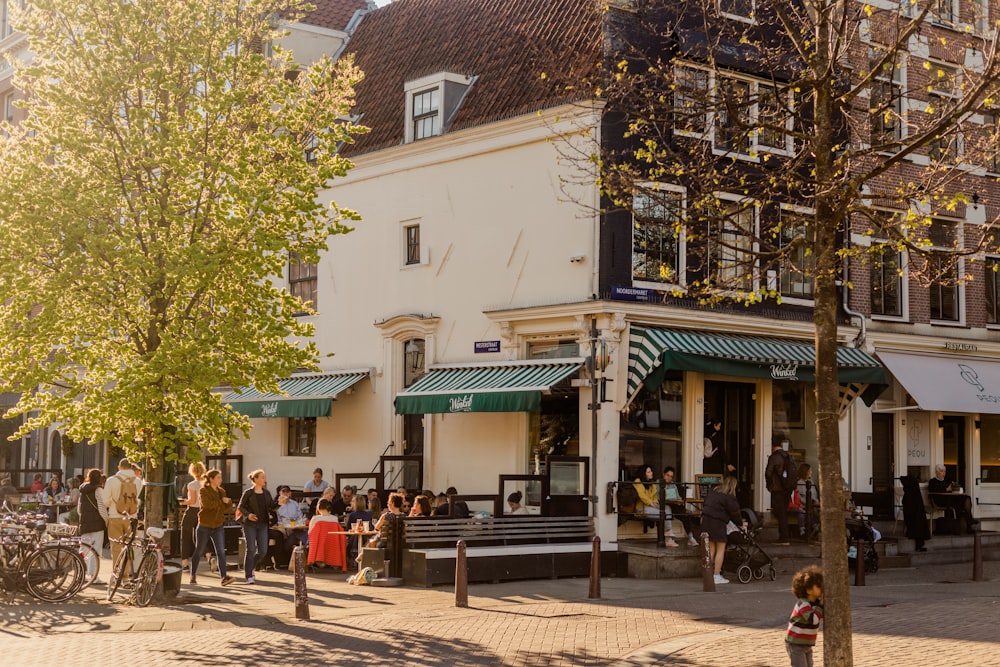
x=803 y=625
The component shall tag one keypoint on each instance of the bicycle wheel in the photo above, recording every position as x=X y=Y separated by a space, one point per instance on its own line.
x=145 y=584
x=54 y=573
x=91 y=562
x=119 y=572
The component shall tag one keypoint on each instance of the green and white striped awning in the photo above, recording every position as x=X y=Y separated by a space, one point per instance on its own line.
x=505 y=386
x=302 y=395
x=653 y=351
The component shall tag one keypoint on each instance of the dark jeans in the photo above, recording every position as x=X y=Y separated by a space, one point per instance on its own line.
x=255 y=539
x=188 y=526
x=202 y=536
x=779 y=506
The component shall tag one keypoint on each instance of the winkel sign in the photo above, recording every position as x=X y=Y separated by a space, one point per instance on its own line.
x=269 y=409
x=787 y=371
x=460 y=404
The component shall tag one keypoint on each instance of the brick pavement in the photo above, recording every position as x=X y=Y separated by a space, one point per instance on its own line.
x=903 y=618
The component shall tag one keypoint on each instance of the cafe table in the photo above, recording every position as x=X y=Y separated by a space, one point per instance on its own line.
x=327 y=544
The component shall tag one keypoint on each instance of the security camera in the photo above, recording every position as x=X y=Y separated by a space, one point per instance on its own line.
x=576 y=259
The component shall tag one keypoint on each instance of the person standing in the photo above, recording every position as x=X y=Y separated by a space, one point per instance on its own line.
x=714 y=450
x=776 y=476
x=193 y=503
x=719 y=509
x=92 y=522
x=121 y=498
x=803 y=625
x=255 y=505
x=211 y=519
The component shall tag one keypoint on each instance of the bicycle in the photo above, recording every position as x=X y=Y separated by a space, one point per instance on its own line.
x=140 y=580
x=50 y=572
x=59 y=533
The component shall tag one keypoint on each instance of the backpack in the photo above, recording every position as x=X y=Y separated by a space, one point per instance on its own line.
x=128 y=496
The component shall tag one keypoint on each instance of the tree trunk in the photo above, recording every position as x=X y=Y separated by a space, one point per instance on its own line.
x=154 y=494
x=837 y=633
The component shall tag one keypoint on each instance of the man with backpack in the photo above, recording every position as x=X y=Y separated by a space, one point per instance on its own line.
x=781 y=476
x=121 y=497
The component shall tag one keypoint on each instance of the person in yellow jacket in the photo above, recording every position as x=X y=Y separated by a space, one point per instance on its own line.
x=649 y=498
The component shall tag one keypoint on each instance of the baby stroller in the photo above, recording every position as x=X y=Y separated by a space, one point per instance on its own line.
x=744 y=556
x=859 y=527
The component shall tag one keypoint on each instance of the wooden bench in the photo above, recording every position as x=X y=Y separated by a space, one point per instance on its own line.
x=497 y=548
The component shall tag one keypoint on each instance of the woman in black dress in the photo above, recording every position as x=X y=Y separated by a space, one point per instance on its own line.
x=719 y=509
x=714 y=450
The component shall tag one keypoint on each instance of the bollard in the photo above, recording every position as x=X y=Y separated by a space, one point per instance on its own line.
x=595 y=570
x=859 y=564
x=977 y=557
x=707 y=566
x=461 y=576
x=301 y=594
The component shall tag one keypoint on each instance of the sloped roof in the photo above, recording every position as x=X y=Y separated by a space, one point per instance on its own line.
x=334 y=14
x=507 y=44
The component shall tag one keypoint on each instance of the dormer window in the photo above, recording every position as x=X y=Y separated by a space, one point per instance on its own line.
x=432 y=102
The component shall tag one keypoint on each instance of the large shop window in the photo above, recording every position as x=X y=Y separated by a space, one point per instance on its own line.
x=651 y=430
x=301 y=436
x=555 y=429
x=989 y=449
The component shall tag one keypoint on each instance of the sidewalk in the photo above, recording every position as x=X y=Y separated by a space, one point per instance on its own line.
x=903 y=618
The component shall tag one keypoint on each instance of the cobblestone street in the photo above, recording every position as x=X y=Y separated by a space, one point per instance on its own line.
x=902 y=617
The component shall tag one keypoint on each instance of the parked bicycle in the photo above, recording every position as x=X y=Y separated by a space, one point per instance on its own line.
x=50 y=572
x=139 y=565
x=61 y=533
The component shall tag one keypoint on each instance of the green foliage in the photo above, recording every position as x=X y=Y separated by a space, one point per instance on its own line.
x=154 y=193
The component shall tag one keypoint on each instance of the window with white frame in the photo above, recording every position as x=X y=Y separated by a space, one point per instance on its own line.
x=886 y=279
x=943 y=11
x=944 y=87
x=424 y=113
x=301 y=436
x=981 y=19
x=773 y=116
x=303 y=279
x=885 y=100
x=658 y=235
x=734 y=115
x=944 y=271
x=737 y=9
x=690 y=100
x=990 y=136
x=411 y=244
x=8 y=106
x=6 y=29
x=992 y=281
x=731 y=264
x=798 y=263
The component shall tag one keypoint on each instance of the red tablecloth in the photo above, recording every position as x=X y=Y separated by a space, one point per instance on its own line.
x=327 y=544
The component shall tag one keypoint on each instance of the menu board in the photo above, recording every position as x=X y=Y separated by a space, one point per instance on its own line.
x=704 y=483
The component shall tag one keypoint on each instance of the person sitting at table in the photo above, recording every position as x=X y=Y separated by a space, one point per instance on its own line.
x=421 y=507
x=649 y=502
x=37 y=485
x=52 y=495
x=290 y=530
x=359 y=512
x=322 y=516
x=947 y=495
x=73 y=491
x=461 y=508
x=676 y=506
x=441 y=507
x=317 y=484
x=328 y=494
x=8 y=491
x=395 y=509
x=514 y=502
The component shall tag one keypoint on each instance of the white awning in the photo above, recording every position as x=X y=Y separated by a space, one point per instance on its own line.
x=947 y=382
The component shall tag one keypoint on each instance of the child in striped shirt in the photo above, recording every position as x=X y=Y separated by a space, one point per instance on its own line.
x=803 y=625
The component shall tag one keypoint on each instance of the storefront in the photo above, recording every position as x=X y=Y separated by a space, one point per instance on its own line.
x=947 y=410
x=758 y=387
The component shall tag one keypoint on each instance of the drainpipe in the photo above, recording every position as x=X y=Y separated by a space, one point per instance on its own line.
x=859 y=340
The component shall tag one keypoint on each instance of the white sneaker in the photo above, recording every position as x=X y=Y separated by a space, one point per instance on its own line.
x=719 y=579
x=692 y=541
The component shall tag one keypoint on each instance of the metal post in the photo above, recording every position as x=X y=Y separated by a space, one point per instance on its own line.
x=707 y=566
x=461 y=576
x=859 y=564
x=977 y=557
x=395 y=546
x=595 y=570
x=301 y=594
x=595 y=405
